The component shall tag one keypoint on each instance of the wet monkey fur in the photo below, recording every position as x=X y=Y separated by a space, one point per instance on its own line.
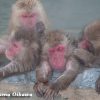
x=92 y=34
x=29 y=16
x=59 y=54
x=23 y=50
x=26 y=13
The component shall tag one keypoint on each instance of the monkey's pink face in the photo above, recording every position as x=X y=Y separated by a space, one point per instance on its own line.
x=57 y=57
x=28 y=20
x=13 y=50
x=84 y=44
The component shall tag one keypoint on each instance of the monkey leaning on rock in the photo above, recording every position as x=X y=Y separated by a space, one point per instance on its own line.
x=59 y=53
x=92 y=33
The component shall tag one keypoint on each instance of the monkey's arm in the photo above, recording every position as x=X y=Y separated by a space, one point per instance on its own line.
x=72 y=69
x=62 y=82
x=13 y=68
x=44 y=71
x=85 y=56
x=43 y=74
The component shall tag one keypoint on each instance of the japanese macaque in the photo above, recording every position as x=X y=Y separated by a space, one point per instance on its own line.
x=23 y=52
x=59 y=54
x=92 y=34
x=26 y=13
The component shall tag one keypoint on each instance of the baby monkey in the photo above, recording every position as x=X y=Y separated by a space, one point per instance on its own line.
x=92 y=34
x=60 y=54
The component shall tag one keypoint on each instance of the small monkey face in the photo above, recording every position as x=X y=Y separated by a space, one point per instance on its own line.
x=56 y=57
x=84 y=44
x=13 y=50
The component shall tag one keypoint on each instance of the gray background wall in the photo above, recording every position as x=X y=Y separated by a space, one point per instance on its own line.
x=63 y=14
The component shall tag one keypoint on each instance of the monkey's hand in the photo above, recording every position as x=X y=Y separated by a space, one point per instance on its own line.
x=86 y=57
x=40 y=88
x=50 y=92
x=63 y=81
x=98 y=85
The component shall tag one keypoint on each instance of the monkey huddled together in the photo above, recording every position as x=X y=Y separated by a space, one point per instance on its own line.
x=30 y=45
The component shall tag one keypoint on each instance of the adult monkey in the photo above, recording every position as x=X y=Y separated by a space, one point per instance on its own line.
x=59 y=53
x=25 y=14
x=23 y=49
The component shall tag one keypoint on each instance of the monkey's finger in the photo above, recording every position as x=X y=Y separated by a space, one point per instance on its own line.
x=50 y=98
x=36 y=90
x=52 y=95
x=55 y=94
x=47 y=94
x=39 y=92
x=40 y=89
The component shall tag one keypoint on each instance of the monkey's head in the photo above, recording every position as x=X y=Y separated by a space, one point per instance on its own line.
x=27 y=13
x=57 y=37
x=92 y=31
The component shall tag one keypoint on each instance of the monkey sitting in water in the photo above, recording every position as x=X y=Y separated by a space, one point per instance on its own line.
x=60 y=54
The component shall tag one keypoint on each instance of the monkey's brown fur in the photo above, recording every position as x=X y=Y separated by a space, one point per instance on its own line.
x=75 y=59
x=28 y=57
x=92 y=33
x=29 y=37
x=22 y=6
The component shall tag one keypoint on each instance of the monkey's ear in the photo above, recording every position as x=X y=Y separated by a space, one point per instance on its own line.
x=40 y=27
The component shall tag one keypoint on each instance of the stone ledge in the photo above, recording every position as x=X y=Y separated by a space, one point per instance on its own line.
x=70 y=93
